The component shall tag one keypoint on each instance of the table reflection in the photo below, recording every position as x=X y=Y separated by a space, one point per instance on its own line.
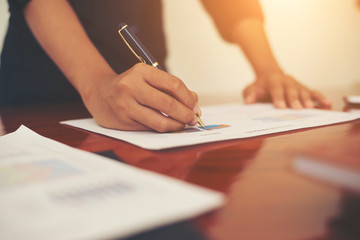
x=211 y=165
x=2 y=130
x=268 y=200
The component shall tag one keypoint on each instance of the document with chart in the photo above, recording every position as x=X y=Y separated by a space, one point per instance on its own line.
x=51 y=191
x=224 y=122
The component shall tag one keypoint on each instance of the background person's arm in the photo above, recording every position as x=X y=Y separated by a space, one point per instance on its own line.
x=271 y=82
x=132 y=100
x=241 y=22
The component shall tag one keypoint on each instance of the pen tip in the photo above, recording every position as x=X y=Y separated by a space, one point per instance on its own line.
x=200 y=122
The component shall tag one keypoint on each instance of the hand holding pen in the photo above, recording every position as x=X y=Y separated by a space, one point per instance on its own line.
x=144 y=56
x=138 y=100
x=141 y=98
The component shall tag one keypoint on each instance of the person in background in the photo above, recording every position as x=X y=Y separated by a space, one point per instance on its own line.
x=59 y=50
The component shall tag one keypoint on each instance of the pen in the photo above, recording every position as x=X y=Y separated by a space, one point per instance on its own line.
x=140 y=51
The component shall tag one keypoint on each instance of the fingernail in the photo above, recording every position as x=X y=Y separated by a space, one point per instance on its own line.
x=197 y=110
x=297 y=105
x=194 y=122
x=309 y=104
x=199 y=113
x=249 y=99
x=281 y=104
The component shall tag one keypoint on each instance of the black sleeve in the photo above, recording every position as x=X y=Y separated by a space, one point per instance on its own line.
x=20 y=4
x=227 y=13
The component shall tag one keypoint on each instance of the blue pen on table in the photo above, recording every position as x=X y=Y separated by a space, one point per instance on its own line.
x=140 y=51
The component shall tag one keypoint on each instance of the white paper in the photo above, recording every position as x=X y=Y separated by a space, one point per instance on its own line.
x=51 y=191
x=243 y=121
x=355 y=112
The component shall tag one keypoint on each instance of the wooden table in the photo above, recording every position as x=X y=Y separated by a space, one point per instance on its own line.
x=266 y=198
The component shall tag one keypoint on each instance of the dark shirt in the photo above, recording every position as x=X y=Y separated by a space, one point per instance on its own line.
x=28 y=75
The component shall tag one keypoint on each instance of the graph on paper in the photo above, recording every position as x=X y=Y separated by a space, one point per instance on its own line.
x=283 y=117
x=206 y=128
x=34 y=171
x=98 y=191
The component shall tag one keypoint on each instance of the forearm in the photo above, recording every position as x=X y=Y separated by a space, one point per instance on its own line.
x=132 y=100
x=60 y=33
x=250 y=35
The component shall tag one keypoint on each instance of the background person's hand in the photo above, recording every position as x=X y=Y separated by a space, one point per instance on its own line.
x=284 y=91
x=136 y=99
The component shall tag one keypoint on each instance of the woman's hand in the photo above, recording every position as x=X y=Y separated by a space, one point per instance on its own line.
x=141 y=98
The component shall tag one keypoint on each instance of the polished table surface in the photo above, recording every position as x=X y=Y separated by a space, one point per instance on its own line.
x=265 y=197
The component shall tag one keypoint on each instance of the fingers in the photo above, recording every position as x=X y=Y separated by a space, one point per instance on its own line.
x=109 y=116
x=128 y=114
x=164 y=103
x=299 y=96
x=169 y=84
x=145 y=98
x=292 y=95
x=249 y=94
x=155 y=120
x=254 y=92
x=306 y=99
x=284 y=91
x=277 y=93
x=287 y=92
x=196 y=109
x=195 y=96
x=320 y=99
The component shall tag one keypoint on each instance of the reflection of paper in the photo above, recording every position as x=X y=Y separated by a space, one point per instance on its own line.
x=51 y=191
x=243 y=120
x=355 y=112
x=2 y=132
x=334 y=162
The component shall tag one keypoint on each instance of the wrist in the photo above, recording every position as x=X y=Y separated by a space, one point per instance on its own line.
x=268 y=71
x=88 y=85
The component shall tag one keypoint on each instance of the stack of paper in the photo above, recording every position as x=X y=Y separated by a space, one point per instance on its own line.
x=51 y=191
